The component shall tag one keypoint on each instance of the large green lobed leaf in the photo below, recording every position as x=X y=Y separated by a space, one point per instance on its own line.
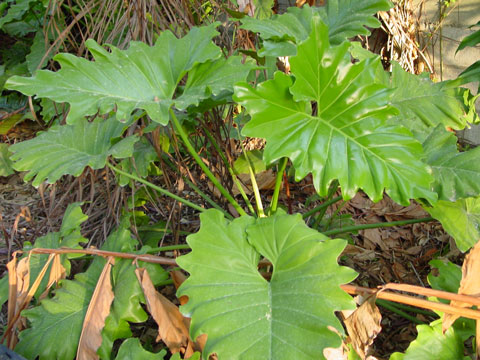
x=457 y=174
x=132 y=349
x=424 y=104
x=5 y=162
x=448 y=276
x=461 y=219
x=143 y=77
x=345 y=19
x=68 y=149
x=347 y=136
x=248 y=317
x=432 y=344
x=348 y=18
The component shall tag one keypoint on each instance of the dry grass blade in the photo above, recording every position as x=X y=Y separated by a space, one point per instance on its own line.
x=469 y=284
x=57 y=273
x=415 y=301
x=145 y=257
x=363 y=326
x=432 y=292
x=19 y=282
x=171 y=326
x=97 y=312
x=399 y=25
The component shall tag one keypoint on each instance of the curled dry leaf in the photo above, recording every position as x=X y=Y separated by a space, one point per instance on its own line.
x=97 y=312
x=171 y=326
x=178 y=278
x=363 y=326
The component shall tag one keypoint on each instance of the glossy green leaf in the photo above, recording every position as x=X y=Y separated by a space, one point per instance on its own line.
x=470 y=74
x=5 y=162
x=255 y=158
x=141 y=77
x=457 y=174
x=432 y=344
x=448 y=276
x=132 y=349
x=246 y=316
x=37 y=51
x=424 y=104
x=68 y=149
x=470 y=40
x=345 y=19
x=263 y=8
x=16 y=11
x=348 y=18
x=212 y=78
x=293 y=25
x=461 y=219
x=346 y=137
x=143 y=155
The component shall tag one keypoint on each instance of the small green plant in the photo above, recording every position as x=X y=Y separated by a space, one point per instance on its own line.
x=351 y=125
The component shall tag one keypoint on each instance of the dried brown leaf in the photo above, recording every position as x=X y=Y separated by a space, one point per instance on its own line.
x=359 y=253
x=97 y=312
x=363 y=326
x=171 y=326
x=373 y=238
x=469 y=284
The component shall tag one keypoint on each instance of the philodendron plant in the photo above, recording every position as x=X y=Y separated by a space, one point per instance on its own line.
x=349 y=123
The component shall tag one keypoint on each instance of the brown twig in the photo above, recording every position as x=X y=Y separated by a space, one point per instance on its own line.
x=432 y=292
x=144 y=257
x=414 y=301
x=381 y=293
